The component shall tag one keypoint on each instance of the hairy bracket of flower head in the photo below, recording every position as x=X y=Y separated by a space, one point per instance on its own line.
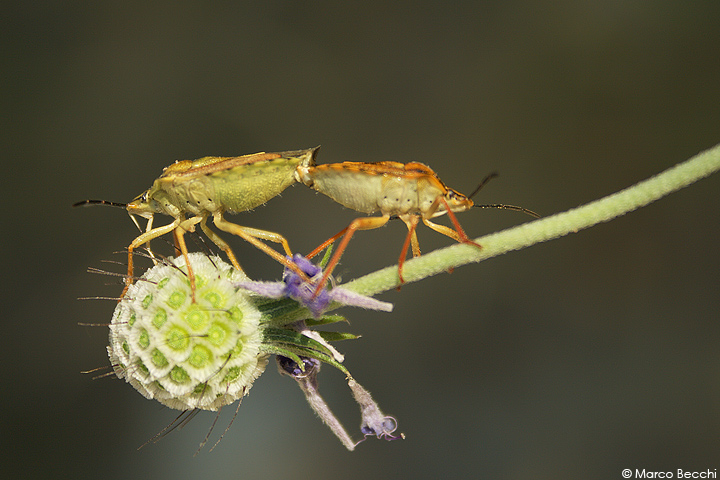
x=188 y=355
x=293 y=286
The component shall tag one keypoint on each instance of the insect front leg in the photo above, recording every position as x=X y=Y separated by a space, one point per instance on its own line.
x=365 y=223
x=148 y=227
x=326 y=243
x=458 y=234
x=142 y=239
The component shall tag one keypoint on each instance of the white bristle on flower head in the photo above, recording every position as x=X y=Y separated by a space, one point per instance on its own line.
x=188 y=355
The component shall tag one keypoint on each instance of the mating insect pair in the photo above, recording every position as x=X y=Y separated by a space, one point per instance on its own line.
x=193 y=191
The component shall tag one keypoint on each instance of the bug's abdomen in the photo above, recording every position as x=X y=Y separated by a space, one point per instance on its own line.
x=248 y=186
x=398 y=196
x=352 y=189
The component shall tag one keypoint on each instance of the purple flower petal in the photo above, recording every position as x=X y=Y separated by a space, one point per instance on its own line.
x=293 y=286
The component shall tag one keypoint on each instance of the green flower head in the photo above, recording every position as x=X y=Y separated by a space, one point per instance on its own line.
x=188 y=355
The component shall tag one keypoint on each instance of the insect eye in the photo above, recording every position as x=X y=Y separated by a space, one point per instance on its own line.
x=456 y=196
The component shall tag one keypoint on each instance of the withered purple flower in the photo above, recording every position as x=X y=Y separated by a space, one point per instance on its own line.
x=373 y=423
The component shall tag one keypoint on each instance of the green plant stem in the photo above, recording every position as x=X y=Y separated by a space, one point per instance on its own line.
x=544 y=229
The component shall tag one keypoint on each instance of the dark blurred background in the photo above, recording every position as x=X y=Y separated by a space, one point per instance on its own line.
x=572 y=359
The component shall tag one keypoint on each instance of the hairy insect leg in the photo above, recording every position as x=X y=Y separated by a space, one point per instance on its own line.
x=179 y=235
x=269 y=236
x=458 y=234
x=148 y=227
x=365 y=223
x=326 y=243
x=142 y=239
x=411 y=239
x=251 y=236
x=222 y=244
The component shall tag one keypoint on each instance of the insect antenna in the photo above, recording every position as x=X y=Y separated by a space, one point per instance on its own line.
x=86 y=203
x=505 y=207
x=482 y=184
x=510 y=207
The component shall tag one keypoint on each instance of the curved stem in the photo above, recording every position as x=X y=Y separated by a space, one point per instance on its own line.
x=544 y=229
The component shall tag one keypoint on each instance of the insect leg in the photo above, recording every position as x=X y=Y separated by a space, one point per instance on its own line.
x=179 y=233
x=411 y=239
x=458 y=234
x=447 y=231
x=270 y=236
x=144 y=238
x=148 y=227
x=247 y=235
x=222 y=244
x=365 y=223
x=326 y=243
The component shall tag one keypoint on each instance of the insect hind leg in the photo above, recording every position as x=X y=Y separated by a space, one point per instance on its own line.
x=251 y=235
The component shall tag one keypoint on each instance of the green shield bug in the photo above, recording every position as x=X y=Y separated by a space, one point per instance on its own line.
x=191 y=191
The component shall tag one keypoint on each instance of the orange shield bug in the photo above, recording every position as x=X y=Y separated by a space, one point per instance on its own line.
x=410 y=192
x=192 y=191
